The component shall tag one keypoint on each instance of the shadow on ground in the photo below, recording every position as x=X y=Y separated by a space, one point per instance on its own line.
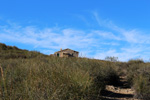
x=122 y=84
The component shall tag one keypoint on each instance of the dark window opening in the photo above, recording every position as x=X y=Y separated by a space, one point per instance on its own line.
x=57 y=54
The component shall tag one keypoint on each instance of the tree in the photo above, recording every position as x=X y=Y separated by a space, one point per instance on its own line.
x=112 y=59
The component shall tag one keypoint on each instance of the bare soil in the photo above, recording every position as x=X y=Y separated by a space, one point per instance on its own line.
x=121 y=91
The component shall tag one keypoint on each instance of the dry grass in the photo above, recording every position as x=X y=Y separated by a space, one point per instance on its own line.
x=138 y=74
x=51 y=78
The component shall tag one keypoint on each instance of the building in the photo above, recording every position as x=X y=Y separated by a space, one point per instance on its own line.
x=66 y=53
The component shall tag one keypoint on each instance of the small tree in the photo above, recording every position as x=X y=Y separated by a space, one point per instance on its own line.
x=112 y=59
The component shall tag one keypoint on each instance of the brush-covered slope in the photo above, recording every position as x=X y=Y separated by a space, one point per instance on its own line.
x=7 y=52
x=51 y=78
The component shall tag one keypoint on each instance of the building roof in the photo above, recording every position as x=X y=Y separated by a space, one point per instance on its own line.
x=66 y=49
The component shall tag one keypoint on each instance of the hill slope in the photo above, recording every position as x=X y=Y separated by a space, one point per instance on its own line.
x=34 y=76
x=7 y=52
x=30 y=75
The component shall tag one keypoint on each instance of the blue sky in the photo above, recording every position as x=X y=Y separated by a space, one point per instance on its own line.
x=95 y=28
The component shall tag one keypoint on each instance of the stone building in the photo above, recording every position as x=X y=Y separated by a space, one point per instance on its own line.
x=66 y=53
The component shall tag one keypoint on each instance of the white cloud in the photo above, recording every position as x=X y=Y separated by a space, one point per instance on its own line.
x=123 y=56
x=49 y=38
x=135 y=43
x=131 y=36
x=107 y=35
x=126 y=53
x=115 y=41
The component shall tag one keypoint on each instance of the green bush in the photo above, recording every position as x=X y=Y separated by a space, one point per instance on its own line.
x=142 y=87
x=139 y=77
x=7 y=52
x=30 y=75
x=52 y=78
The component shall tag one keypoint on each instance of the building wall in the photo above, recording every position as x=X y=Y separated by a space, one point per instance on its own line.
x=75 y=54
x=60 y=54
x=65 y=55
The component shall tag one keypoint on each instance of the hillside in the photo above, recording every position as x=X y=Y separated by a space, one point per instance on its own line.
x=30 y=75
x=7 y=52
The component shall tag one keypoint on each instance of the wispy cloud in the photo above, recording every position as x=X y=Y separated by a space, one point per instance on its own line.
x=131 y=36
x=48 y=38
x=107 y=35
x=111 y=40
x=125 y=54
x=134 y=42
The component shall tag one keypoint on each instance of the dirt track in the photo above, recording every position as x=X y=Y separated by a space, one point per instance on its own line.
x=119 y=92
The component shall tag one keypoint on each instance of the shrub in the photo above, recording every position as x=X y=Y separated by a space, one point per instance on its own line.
x=30 y=75
x=139 y=77
x=52 y=78
x=142 y=87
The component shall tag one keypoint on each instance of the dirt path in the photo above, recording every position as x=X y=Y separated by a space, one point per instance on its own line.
x=119 y=92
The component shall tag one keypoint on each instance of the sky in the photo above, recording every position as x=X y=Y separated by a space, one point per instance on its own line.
x=95 y=28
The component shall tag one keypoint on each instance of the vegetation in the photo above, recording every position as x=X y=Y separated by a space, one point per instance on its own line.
x=112 y=59
x=139 y=78
x=10 y=52
x=28 y=75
